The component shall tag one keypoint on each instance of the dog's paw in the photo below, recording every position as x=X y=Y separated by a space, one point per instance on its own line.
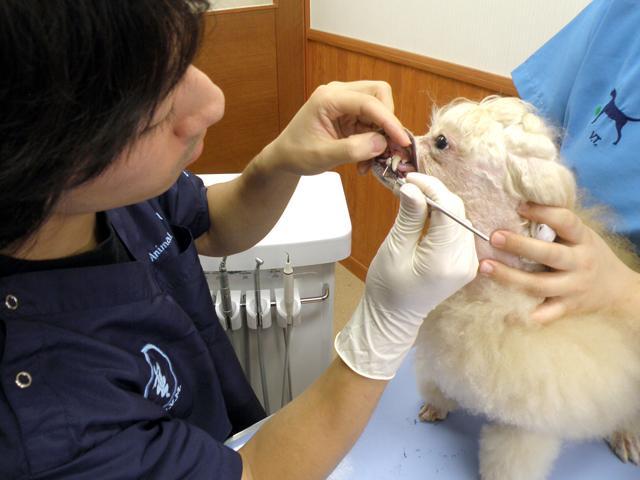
x=429 y=413
x=626 y=446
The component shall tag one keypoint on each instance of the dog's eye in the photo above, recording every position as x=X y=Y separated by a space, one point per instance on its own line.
x=441 y=142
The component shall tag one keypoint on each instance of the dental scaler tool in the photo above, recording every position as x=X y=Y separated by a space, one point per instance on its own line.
x=401 y=181
x=288 y=307
x=263 y=373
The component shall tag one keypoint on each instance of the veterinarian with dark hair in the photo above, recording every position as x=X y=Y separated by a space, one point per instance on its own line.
x=100 y=228
x=585 y=80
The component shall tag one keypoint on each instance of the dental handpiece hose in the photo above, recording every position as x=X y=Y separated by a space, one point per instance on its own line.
x=261 y=362
x=288 y=308
x=288 y=289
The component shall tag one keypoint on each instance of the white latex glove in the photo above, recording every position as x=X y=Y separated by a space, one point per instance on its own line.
x=407 y=279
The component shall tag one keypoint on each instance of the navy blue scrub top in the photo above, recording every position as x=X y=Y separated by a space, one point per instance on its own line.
x=130 y=375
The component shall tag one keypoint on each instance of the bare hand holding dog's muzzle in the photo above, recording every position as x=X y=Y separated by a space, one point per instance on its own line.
x=339 y=124
x=408 y=277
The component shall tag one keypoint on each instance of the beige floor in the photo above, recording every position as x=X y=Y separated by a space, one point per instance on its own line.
x=349 y=289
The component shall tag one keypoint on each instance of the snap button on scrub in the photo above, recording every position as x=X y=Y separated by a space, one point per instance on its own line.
x=23 y=379
x=11 y=302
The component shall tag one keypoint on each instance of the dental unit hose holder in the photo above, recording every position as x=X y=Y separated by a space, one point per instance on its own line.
x=288 y=303
x=283 y=313
x=227 y=303
x=252 y=313
x=316 y=235
x=235 y=319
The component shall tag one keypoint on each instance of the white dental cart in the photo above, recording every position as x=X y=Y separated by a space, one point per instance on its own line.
x=315 y=230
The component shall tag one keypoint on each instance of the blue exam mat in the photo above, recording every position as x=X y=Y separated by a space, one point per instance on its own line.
x=396 y=445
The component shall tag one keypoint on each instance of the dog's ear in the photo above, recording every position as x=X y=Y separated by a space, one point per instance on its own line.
x=535 y=173
x=541 y=181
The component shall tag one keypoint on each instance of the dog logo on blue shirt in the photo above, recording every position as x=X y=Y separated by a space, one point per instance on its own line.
x=163 y=386
x=612 y=111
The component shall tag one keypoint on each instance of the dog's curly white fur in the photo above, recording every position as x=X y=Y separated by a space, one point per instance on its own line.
x=578 y=377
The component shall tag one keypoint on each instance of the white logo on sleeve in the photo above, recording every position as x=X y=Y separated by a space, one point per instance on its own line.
x=163 y=386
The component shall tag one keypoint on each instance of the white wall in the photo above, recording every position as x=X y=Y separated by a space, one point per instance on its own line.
x=490 y=35
x=226 y=4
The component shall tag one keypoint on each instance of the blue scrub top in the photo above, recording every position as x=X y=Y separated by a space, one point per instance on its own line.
x=131 y=374
x=586 y=80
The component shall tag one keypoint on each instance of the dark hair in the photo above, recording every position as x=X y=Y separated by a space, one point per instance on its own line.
x=79 y=80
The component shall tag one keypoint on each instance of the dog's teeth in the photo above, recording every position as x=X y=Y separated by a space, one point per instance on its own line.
x=395 y=161
x=388 y=162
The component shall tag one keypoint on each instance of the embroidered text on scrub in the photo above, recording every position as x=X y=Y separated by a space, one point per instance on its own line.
x=153 y=256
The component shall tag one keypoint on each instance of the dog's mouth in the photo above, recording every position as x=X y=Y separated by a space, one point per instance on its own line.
x=395 y=162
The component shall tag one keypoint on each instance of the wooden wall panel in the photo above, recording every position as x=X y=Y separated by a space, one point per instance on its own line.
x=239 y=55
x=372 y=207
x=256 y=55
x=290 y=31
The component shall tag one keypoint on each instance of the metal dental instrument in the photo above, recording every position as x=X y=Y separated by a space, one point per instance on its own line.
x=288 y=307
x=263 y=373
x=225 y=294
x=256 y=285
x=401 y=181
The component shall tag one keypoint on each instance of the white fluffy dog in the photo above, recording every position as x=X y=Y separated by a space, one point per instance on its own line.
x=576 y=378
